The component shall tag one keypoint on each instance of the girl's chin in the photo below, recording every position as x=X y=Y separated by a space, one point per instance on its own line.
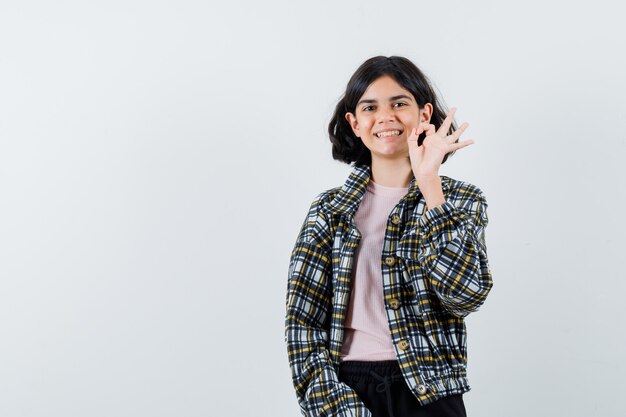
x=395 y=152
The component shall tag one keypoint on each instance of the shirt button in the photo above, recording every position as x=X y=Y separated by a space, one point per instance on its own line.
x=395 y=219
x=394 y=303
x=390 y=260
x=421 y=389
x=403 y=344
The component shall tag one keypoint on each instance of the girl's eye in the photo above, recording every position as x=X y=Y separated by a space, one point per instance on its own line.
x=399 y=104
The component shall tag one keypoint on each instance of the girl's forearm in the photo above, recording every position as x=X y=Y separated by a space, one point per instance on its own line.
x=432 y=191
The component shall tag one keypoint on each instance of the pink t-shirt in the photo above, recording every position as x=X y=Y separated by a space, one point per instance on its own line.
x=367 y=336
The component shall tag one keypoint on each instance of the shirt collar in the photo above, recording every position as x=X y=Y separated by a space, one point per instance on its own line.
x=349 y=197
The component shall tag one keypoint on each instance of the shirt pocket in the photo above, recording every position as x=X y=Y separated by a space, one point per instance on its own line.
x=407 y=246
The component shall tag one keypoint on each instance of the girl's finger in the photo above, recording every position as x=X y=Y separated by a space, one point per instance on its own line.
x=445 y=126
x=457 y=133
x=428 y=128
x=463 y=144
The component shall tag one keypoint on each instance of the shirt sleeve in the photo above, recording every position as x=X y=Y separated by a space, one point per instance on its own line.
x=307 y=326
x=452 y=252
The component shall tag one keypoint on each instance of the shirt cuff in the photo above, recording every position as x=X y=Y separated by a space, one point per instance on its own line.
x=436 y=216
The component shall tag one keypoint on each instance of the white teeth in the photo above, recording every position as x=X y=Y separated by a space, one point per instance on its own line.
x=389 y=133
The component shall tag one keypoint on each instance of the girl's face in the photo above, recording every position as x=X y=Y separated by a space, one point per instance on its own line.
x=385 y=116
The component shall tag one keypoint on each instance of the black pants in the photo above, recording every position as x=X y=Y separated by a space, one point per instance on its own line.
x=381 y=387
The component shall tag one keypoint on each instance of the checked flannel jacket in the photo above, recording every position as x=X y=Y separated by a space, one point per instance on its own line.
x=434 y=273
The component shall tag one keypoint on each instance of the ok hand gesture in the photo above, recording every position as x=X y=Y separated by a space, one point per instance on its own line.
x=426 y=159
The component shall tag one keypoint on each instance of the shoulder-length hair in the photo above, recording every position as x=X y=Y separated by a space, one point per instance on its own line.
x=347 y=147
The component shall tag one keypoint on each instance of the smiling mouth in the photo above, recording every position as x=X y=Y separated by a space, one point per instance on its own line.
x=388 y=133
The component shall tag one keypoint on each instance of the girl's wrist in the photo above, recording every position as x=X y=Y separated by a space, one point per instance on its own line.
x=430 y=178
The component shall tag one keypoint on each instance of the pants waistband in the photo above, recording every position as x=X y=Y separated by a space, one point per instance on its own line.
x=369 y=371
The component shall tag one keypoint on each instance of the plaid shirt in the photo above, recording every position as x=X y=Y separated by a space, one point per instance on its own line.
x=434 y=273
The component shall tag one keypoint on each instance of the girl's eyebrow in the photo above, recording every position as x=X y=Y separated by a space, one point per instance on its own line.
x=391 y=99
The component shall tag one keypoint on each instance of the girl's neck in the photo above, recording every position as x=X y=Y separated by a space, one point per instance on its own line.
x=391 y=173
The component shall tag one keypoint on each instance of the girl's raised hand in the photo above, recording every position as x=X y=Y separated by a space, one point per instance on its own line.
x=426 y=159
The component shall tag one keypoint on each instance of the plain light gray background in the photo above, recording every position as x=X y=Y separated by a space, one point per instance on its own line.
x=158 y=157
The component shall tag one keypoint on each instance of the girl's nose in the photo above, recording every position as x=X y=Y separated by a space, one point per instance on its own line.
x=385 y=115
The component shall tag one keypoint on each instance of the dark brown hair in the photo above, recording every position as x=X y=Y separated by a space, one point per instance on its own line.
x=346 y=146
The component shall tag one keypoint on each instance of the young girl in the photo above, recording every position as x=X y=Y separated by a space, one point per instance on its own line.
x=386 y=267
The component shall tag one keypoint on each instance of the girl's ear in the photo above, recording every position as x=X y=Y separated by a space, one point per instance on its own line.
x=351 y=118
x=426 y=113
